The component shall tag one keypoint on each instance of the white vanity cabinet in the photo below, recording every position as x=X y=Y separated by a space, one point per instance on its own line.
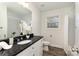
x=26 y=52
x=34 y=50
x=37 y=48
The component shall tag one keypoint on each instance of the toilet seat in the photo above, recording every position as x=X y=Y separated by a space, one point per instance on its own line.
x=46 y=43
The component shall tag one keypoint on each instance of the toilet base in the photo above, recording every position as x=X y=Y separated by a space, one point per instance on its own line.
x=46 y=48
x=45 y=45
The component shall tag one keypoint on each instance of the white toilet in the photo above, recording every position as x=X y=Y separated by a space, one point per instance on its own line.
x=45 y=45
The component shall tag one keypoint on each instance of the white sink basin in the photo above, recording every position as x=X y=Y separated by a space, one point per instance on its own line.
x=24 y=42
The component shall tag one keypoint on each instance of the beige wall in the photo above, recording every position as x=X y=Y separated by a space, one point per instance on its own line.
x=57 y=38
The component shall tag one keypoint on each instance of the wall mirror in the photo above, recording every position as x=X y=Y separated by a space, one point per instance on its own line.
x=13 y=16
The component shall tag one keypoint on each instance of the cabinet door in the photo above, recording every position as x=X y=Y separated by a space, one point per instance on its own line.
x=37 y=48
x=41 y=48
x=26 y=52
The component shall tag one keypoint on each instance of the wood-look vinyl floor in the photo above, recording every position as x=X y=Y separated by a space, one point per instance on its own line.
x=54 y=51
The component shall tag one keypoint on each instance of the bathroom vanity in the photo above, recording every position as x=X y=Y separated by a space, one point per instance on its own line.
x=16 y=19
x=33 y=48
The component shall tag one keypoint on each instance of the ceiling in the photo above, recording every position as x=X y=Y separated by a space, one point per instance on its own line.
x=44 y=6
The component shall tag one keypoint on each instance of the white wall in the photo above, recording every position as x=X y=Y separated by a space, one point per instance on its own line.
x=71 y=27
x=66 y=22
x=77 y=24
x=57 y=38
x=36 y=21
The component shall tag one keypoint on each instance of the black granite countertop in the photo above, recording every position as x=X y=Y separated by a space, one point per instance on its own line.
x=16 y=49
